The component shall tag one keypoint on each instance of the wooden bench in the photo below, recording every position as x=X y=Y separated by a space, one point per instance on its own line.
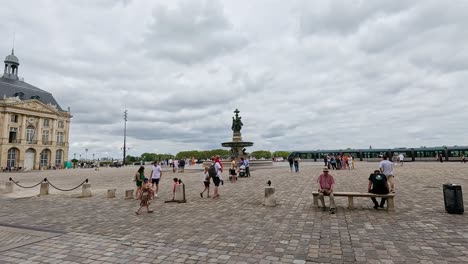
x=351 y=195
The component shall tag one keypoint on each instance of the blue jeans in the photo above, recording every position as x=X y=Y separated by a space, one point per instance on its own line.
x=296 y=167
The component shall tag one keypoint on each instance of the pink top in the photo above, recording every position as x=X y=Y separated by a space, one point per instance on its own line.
x=175 y=186
x=325 y=182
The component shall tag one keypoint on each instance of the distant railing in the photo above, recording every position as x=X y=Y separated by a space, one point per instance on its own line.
x=13 y=141
x=31 y=141
x=45 y=142
x=61 y=144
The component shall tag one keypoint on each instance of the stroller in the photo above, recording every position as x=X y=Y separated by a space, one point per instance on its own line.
x=242 y=171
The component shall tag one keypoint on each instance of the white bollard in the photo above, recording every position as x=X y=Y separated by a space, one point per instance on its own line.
x=44 y=188
x=111 y=193
x=9 y=187
x=270 y=199
x=86 y=191
x=128 y=194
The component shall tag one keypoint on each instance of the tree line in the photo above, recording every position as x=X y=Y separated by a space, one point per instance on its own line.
x=203 y=154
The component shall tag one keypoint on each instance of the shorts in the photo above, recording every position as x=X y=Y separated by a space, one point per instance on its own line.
x=216 y=181
x=155 y=181
x=232 y=172
x=206 y=183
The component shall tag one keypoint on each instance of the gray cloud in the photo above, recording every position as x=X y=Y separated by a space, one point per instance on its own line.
x=191 y=32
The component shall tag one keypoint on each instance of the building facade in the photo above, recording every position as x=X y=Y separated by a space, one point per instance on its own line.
x=34 y=130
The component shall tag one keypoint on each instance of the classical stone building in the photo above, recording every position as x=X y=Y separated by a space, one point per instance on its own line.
x=34 y=129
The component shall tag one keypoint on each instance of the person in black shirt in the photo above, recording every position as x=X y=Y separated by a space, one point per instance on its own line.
x=291 y=161
x=378 y=184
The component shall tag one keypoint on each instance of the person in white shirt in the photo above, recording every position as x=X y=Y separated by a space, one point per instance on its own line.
x=217 y=178
x=156 y=174
x=175 y=166
x=386 y=167
x=401 y=158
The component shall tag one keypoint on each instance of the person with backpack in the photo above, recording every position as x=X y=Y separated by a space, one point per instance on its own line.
x=206 y=182
x=215 y=171
x=246 y=163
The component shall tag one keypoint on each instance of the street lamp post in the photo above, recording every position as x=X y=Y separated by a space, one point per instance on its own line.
x=125 y=136
x=93 y=157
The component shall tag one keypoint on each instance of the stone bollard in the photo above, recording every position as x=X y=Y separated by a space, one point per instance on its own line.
x=111 y=193
x=179 y=193
x=44 y=188
x=9 y=187
x=270 y=199
x=86 y=191
x=128 y=194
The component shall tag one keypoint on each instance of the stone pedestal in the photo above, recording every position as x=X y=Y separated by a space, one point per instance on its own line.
x=9 y=187
x=128 y=194
x=86 y=191
x=44 y=188
x=111 y=193
x=179 y=194
x=270 y=199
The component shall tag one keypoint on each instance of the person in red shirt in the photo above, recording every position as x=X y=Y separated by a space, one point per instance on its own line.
x=325 y=187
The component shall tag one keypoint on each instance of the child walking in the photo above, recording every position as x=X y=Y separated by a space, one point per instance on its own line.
x=145 y=196
x=206 y=182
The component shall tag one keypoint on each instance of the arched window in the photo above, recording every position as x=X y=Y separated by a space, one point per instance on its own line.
x=44 y=158
x=58 y=157
x=29 y=134
x=11 y=159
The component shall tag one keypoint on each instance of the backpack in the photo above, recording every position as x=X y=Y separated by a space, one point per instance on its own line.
x=212 y=171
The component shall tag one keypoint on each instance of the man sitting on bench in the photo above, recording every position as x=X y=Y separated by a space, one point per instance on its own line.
x=378 y=184
x=325 y=188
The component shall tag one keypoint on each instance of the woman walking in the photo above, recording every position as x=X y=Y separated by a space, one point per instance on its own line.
x=139 y=179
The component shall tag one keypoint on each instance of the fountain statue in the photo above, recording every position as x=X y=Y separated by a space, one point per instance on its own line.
x=237 y=146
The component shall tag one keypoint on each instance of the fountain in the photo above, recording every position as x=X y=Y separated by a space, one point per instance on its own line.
x=237 y=145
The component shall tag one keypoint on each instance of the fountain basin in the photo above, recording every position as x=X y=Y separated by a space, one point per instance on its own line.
x=237 y=144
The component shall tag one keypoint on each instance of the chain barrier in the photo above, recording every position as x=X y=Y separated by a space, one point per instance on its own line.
x=66 y=190
x=45 y=180
x=27 y=187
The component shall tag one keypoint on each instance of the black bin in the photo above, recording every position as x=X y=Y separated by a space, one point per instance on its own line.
x=453 y=198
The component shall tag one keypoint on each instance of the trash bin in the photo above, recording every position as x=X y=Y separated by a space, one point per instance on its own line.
x=453 y=198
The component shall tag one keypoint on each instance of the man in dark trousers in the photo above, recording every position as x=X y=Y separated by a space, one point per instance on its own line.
x=378 y=184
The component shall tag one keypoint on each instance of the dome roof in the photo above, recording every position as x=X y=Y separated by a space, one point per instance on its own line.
x=12 y=58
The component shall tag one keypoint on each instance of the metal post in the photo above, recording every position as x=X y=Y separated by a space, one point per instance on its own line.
x=125 y=135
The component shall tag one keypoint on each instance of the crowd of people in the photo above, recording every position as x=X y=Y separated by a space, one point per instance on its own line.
x=148 y=188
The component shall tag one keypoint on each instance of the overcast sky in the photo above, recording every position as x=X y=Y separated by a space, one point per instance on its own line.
x=304 y=74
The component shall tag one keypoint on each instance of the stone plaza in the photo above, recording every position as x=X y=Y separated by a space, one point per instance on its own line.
x=236 y=227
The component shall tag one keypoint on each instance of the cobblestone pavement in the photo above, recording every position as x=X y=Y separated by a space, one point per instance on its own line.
x=236 y=228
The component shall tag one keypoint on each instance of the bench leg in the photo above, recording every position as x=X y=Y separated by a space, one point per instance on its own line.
x=315 y=200
x=390 y=204
x=350 y=202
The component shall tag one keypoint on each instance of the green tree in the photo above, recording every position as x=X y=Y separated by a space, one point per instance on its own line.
x=261 y=154
x=283 y=154
x=203 y=154
x=130 y=159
